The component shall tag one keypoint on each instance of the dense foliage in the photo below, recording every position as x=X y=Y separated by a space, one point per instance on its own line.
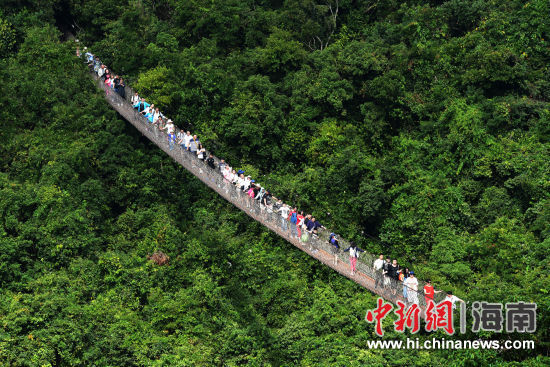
x=425 y=124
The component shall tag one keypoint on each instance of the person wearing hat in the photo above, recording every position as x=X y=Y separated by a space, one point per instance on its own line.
x=266 y=198
x=335 y=247
x=412 y=288
x=255 y=189
x=260 y=194
x=201 y=154
x=101 y=71
x=170 y=129
x=394 y=275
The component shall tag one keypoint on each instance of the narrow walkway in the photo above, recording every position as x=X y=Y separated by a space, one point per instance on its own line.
x=318 y=248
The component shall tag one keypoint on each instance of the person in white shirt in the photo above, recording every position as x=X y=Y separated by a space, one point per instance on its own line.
x=240 y=182
x=377 y=270
x=156 y=115
x=135 y=99
x=412 y=288
x=222 y=165
x=170 y=129
x=453 y=299
x=247 y=182
x=101 y=71
x=201 y=153
x=284 y=209
x=179 y=136
x=226 y=173
x=187 y=140
x=147 y=110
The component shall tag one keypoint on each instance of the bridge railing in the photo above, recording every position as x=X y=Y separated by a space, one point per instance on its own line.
x=317 y=246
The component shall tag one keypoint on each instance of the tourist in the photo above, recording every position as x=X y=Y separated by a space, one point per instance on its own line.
x=210 y=161
x=353 y=255
x=293 y=219
x=222 y=165
x=335 y=247
x=452 y=298
x=312 y=226
x=194 y=144
x=135 y=100
x=170 y=129
x=429 y=292
x=377 y=270
x=393 y=274
x=412 y=292
x=404 y=276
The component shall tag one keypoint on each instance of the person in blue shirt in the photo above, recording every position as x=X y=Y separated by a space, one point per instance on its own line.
x=353 y=255
x=312 y=226
x=335 y=248
x=88 y=55
x=150 y=114
x=141 y=105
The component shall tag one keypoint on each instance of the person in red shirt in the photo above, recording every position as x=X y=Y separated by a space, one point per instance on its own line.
x=299 y=223
x=429 y=292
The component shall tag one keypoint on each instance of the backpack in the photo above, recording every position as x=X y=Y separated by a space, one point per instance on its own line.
x=294 y=218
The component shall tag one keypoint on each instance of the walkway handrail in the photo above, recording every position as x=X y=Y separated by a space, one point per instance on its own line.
x=316 y=246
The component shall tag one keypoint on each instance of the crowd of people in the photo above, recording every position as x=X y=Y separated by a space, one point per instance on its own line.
x=388 y=273
x=301 y=226
x=112 y=81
